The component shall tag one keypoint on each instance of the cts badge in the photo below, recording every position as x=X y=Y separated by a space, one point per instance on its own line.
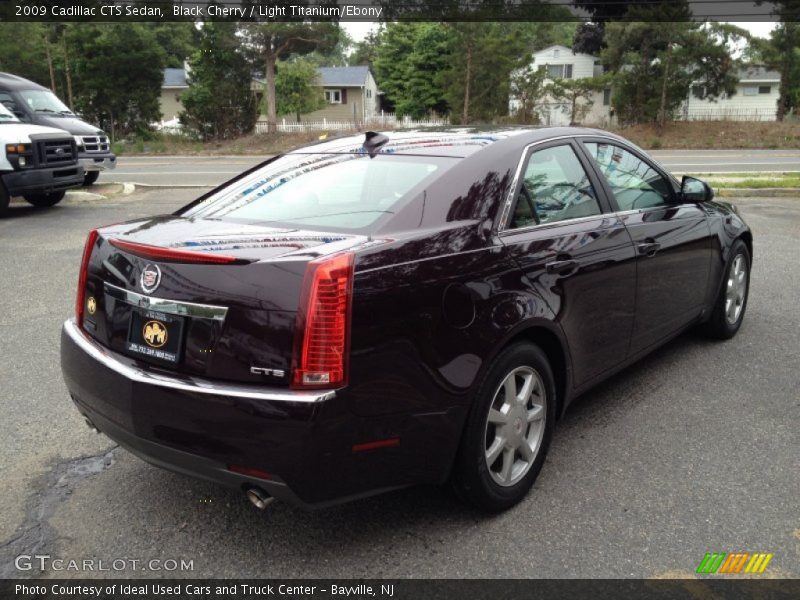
x=155 y=334
x=150 y=279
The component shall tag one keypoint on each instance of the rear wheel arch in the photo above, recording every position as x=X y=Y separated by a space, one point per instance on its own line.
x=555 y=349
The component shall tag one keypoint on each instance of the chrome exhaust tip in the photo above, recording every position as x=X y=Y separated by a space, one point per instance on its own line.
x=259 y=498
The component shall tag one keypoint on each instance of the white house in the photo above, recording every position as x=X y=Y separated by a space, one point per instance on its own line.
x=756 y=99
x=562 y=63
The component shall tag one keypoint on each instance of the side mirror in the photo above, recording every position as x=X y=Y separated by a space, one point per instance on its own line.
x=695 y=190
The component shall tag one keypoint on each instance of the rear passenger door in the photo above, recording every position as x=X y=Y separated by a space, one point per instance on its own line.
x=672 y=241
x=574 y=254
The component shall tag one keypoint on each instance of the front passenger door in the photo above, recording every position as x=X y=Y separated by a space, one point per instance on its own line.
x=574 y=255
x=672 y=240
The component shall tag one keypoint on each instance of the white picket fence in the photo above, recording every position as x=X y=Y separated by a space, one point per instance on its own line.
x=383 y=121
x=726 y=114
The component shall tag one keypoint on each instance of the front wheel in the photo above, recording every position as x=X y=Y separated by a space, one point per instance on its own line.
x=45 y=200
x=90 y=177
x=728 y=312
x=508 y=430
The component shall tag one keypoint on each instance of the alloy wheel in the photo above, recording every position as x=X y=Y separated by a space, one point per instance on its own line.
x=515 y=426
x=736 y=290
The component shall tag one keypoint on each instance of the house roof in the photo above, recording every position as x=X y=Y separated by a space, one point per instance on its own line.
x=175 y=78
x=757 y=73
x=344 y=76
x=565 y=48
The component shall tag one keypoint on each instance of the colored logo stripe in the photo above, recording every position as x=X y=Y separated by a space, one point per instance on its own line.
x=758 y=563
x=734 y=562
x=711 y=562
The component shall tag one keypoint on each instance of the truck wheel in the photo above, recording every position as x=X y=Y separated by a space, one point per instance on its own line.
x=90 y=177
x=5 y=199
x=45 y=200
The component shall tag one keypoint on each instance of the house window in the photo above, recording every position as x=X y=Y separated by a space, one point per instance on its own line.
x=559 y=71
x=764 y=89
x=333 y=96
x=607 y=97
x=556 y=52
x=699 y=91
x=749 y=90
x=369 y=93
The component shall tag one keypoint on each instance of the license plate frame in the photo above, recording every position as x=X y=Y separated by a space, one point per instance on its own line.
x=146 y=324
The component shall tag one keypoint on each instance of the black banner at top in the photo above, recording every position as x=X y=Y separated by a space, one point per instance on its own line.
x=397 y=10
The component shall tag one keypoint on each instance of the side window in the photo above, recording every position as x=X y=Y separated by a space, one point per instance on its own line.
x=635 y=184
x=554 y=187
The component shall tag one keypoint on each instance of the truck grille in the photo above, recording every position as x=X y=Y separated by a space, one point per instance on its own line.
x=56 y=152
x=94 y=143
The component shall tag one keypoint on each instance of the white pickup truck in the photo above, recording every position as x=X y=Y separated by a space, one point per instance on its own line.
x=37 y=163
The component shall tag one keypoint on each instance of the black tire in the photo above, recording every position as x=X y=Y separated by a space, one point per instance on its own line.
x=720 y=324
x=5 y=200
x=473 y=478
x=45 y=200
x=90 y=177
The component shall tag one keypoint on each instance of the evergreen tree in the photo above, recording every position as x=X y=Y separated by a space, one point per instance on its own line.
x=219 y=103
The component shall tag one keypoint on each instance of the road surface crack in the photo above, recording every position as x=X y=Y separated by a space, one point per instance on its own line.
x=35 y=533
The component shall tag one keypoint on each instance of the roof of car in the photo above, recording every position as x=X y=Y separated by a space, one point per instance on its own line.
x=452 y=141
x=15 y=82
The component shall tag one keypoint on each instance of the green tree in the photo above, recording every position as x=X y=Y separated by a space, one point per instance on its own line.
x=270 y=42
x=178 y=40
x=484 y=54
x=365 y=51
x=117 y=71
x=219 y=103
x=297 y=88
x=528 y=88
x=576 y=95
x=659 y=54
x=23 y=50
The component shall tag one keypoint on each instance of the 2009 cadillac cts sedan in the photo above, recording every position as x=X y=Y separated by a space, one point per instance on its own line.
x=385 y=310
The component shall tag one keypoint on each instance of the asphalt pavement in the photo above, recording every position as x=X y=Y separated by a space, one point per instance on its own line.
x=213 y=170
x=695 y=449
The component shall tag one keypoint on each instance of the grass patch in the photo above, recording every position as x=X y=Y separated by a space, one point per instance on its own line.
x=786 y=181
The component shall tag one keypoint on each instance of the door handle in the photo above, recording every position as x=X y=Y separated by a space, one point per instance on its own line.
x=649 y=248
x=561 y=266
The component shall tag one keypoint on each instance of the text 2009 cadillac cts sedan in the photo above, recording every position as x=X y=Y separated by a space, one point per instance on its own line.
x=381 y=311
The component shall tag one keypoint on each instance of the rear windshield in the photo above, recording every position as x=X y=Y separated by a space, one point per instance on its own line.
x=348 y=192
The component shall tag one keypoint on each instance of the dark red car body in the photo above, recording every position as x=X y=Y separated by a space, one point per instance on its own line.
x=439 y=288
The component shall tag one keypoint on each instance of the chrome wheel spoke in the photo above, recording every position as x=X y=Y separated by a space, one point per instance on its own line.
x=527 y=388
x=535 y=414
x=494 y=450
x=526 y=452
x=508 y=464
x=497 y=417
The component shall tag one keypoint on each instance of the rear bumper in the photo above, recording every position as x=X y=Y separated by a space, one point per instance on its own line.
x=97 y=161
x=198 y=427
x=39 y=181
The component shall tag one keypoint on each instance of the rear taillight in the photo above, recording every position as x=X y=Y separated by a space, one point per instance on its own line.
x=162 y=254
x=80 y=300
x=322 y=343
